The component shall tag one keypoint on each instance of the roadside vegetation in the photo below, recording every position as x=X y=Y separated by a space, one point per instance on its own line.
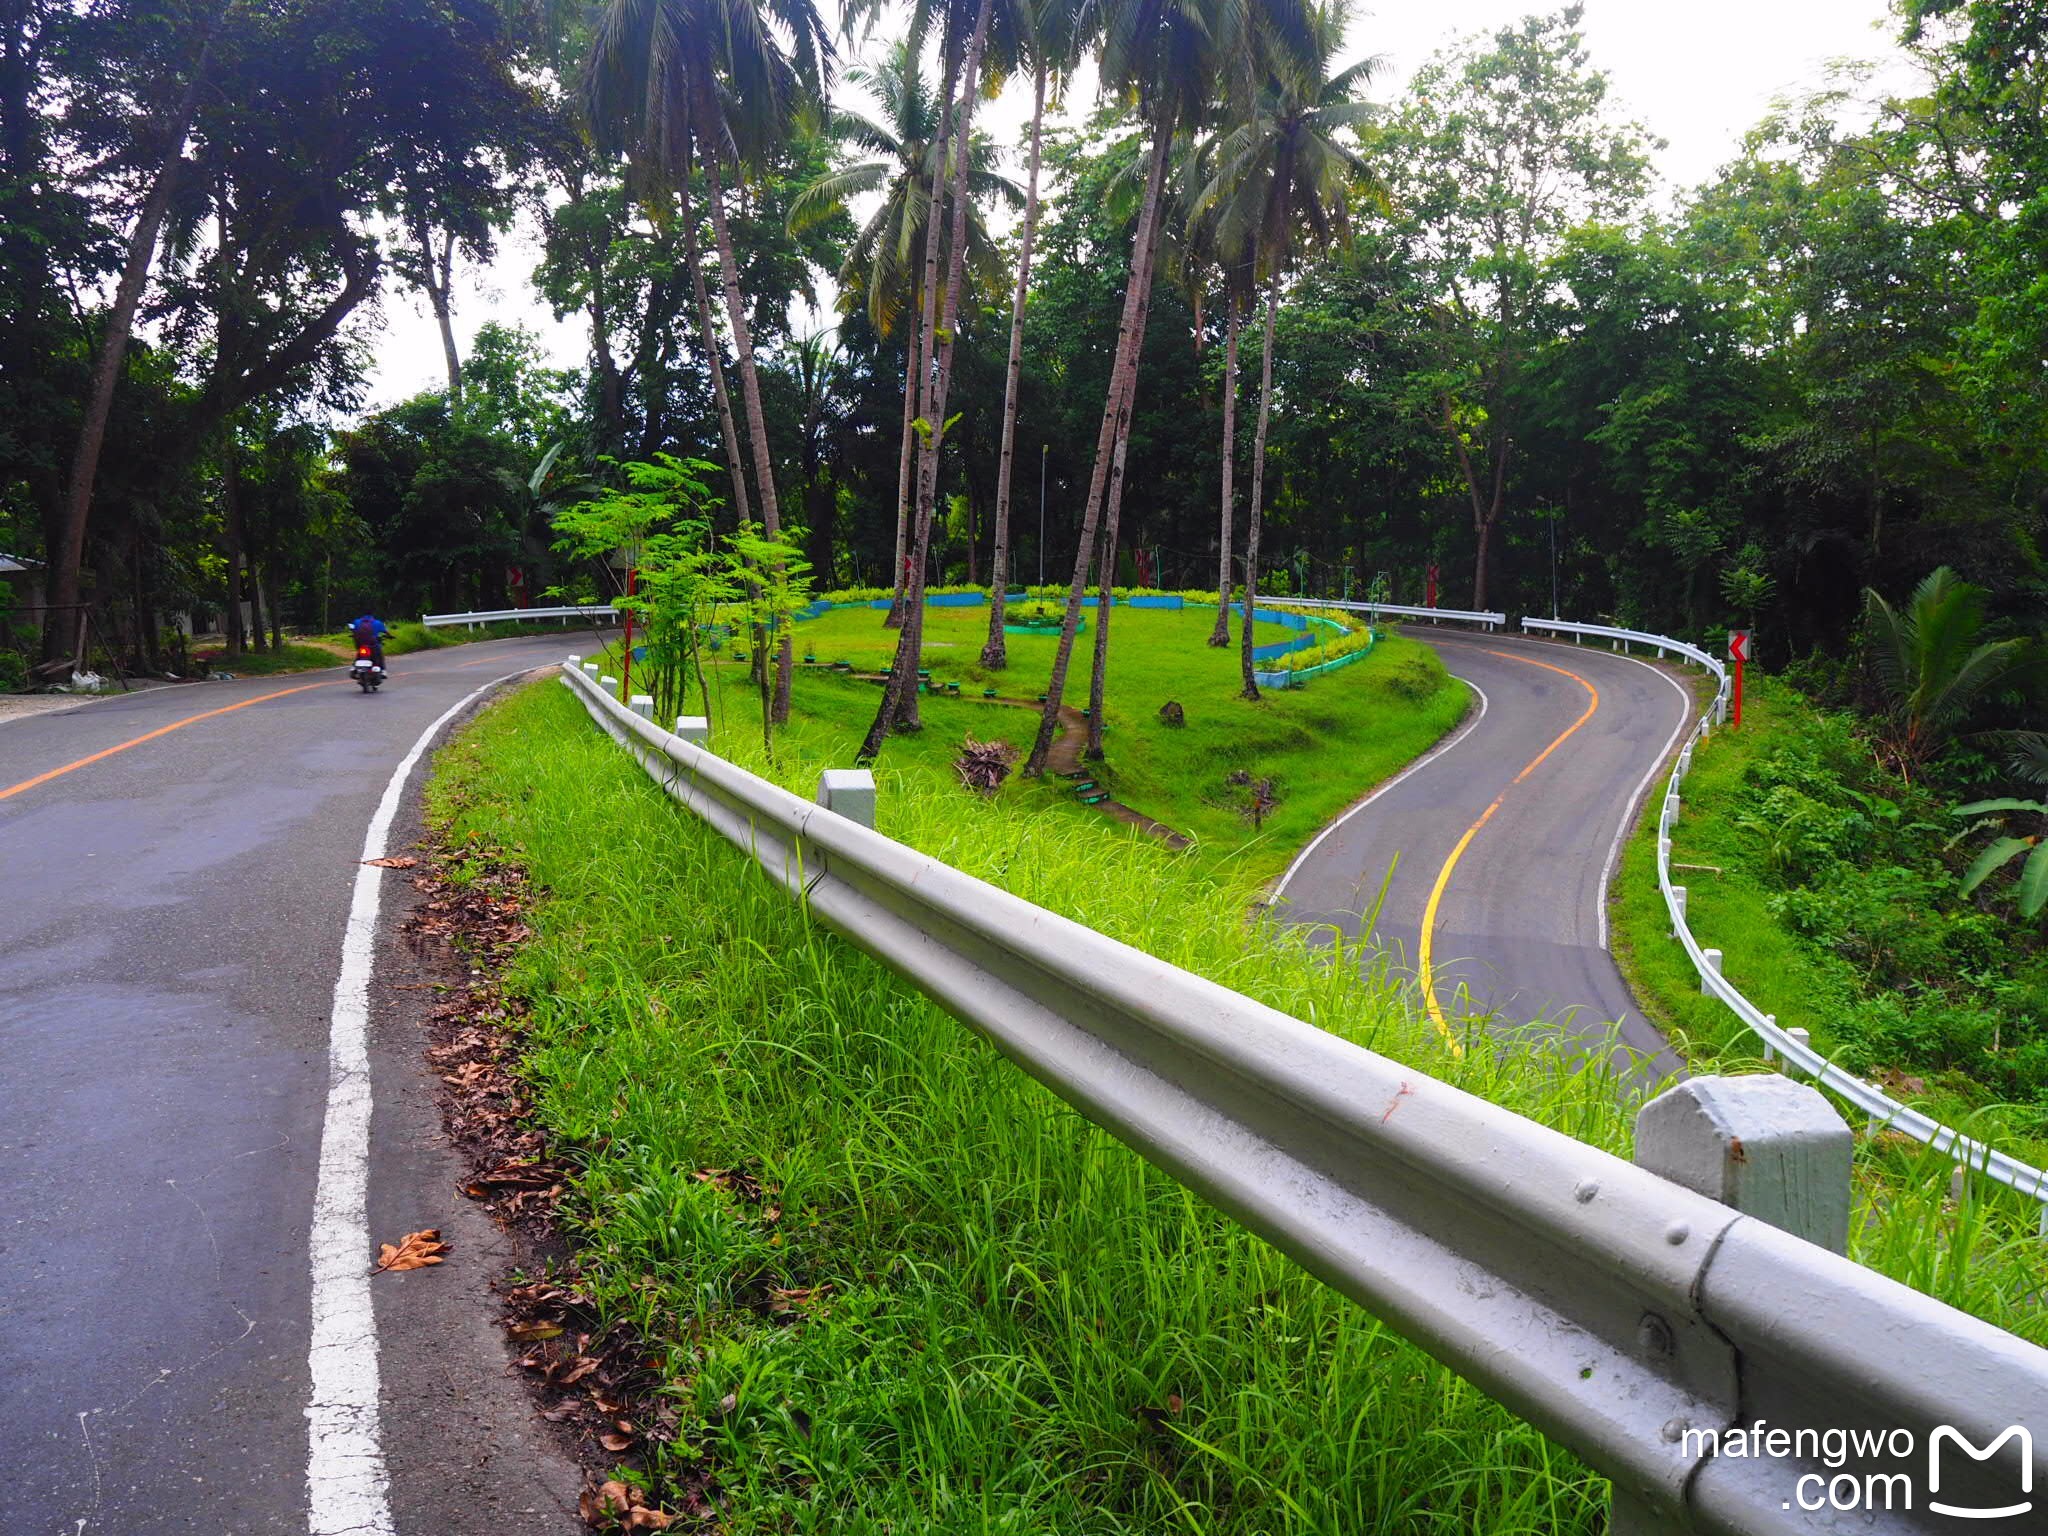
x=1250 y=782
x=888 y=1282
x=1861 y=851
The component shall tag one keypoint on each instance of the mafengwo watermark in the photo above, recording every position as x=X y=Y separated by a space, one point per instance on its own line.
x=1878 y=1469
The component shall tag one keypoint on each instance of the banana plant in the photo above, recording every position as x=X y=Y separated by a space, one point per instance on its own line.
x=2032 y=893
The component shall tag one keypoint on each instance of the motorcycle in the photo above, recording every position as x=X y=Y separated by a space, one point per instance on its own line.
x=366 y=673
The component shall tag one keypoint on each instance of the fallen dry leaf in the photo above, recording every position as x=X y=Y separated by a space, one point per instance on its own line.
x=614 y=1502
x=615 y=1443
x=415 y=1250
x=399 y=861
x=527 y=1333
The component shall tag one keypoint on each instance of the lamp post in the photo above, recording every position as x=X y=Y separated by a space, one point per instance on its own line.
x=1553 y=562
x=1043 y=450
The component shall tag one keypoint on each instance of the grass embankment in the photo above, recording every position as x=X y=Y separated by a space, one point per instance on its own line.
x=1757 y=858
x=953 y=1304
x=1318 y=747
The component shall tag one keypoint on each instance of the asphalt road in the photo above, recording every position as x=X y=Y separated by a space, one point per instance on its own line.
x=1502 y=843
x=169 y=942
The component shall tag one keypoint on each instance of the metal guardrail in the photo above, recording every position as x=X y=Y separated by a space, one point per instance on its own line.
x=518 y=615
x=1884 y=1112
x=1623 y=1315
x=1483 y=619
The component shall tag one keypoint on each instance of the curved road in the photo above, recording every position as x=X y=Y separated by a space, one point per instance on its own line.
x=1489 y=858
x=179 y=866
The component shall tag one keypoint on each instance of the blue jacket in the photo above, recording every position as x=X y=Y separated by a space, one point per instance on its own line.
x=379 y=629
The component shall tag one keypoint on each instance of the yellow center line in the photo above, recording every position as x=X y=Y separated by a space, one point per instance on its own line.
x=165 y=730
x=1443 y=878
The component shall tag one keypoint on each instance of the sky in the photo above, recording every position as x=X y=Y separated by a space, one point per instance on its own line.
x=1698 y=77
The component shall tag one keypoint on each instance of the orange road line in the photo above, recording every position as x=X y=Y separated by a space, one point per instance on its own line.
x=165 y=730
x=1443 y=879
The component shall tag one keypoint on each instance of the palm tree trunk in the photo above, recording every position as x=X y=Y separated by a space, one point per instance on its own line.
x=1123 y=376
x=914 y=398
x=750 y=394
x=707 y=336
x=994 y=653
x=1113 y=510
x=67 y=552
x=1220 y=635
x=1251 y=540
x=899 y=697
x=903 y=465
x=940 y=374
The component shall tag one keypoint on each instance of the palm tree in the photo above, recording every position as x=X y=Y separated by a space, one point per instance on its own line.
x=899 y=696
x=1054 y=44
x=879 y=269
x=715 y=85
x=1165 y=57
x=1930 y=664
x=1283 y=182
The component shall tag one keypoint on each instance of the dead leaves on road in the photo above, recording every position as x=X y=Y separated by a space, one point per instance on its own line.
x=416 y=1250
x=622 y=1505
x=396 y=861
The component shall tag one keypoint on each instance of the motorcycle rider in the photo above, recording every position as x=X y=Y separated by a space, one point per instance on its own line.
x=370 y=630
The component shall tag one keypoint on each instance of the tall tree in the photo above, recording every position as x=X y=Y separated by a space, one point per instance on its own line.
x=880 y=271
x=1284 y=182
x=1054 y=41
x=1503 y=146
x=716 y=85
x=1166 y=58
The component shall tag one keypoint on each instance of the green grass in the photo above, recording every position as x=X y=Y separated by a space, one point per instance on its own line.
x=1729 y=908
x=1372 y=718
x=295 y=657
x=1014 y=1323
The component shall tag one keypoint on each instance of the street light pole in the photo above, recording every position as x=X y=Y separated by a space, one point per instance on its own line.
x=1553 y=562
x=1043 y=450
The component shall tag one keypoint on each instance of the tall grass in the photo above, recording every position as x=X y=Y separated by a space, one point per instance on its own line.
x=953 y=1304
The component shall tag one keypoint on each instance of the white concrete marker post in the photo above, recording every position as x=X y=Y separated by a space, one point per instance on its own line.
x=1770 y=1148
x=1677 y=908
x=695 y=729
x=1713 y=959
x=643 y=705
x=848 y=792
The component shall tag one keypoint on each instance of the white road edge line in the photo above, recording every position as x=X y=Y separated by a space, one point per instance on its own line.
x=1417 y=766
x=1628 y=811
x=346 y=1486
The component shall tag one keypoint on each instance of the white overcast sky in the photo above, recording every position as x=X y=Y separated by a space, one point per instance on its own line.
x=1697 y=76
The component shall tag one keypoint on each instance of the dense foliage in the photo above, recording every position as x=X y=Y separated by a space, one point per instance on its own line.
x=1500 y=364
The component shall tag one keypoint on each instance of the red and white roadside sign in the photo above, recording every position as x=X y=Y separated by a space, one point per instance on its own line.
x=1738 y=652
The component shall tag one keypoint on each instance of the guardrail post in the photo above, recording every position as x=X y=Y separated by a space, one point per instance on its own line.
x=609 y=684
x=642 y=704
x=1770 y=1050
x=1797 y=1036
x=1712 y=957
x=590 y=670
x=1765 y=1145
x=1677 y=908
x=848 y=792
x=695 y=729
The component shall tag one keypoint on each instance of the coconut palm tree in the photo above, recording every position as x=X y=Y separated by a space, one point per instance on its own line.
x=899 y=696
x=1054 y=50
x=715 y=85
x=1167 y=59
x=1283 y=184
x=880 y=270
x=1930 y=664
